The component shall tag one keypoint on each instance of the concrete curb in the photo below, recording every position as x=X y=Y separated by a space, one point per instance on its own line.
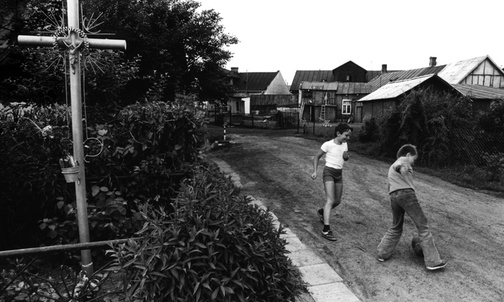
x=324 y=284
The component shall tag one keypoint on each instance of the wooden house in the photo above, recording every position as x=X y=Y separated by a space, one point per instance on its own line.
x=246 y=84
x=480 y=71
x=347 y=72
x=330 y=101
x=331 y=95
x=390 y=95
x=482 y=96
x=478 y=78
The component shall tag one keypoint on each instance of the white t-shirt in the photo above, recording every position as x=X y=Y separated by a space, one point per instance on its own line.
x=334 y=154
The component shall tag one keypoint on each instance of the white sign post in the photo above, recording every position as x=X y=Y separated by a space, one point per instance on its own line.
x=75 y=40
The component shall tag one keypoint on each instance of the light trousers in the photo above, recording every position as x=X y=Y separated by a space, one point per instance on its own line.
x=405 y=201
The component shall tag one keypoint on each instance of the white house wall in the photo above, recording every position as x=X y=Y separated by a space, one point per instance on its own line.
x=486 y=74
x=277 y=86
x=247 y=105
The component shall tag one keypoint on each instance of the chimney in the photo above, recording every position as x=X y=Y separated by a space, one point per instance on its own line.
x=432 y=61
x=234 y=69
x=384 y=68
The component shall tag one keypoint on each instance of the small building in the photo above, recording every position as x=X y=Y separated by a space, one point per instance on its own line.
x=332 y=101
x=482 y=96
x=347 y=72
x=478 y=78
x=390 y=95
x=246 y=84
x=480 y=71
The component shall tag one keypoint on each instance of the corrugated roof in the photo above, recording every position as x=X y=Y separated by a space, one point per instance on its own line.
x=395 y=89
x=388 y=77
x=319 y=85
x=311 y=76
x=255 y=81
x=340 y=87
x=480 y=92
x=454 y=73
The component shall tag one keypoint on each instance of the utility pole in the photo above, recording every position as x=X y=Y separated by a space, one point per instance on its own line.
x=75 y=40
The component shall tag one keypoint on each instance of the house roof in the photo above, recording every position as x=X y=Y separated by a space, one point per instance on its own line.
x=311 y=76
x=346 y=65
x=395 y=89
x=371 y=74
x=343 y=88
x=388 y=77
x=480 y=92
x=255 y=81
x=454 y=73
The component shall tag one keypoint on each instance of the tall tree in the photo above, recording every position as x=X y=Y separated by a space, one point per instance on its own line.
x=181 y=46
x=176 y=40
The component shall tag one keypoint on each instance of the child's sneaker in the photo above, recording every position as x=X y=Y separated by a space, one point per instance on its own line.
x=438 y=266
x=328 y=235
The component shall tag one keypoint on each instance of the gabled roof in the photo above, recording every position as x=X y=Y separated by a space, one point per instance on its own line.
x=388 y=77
x=255 y=81
x=311 y=76
x=395 y=89
x=454 y=73
x=348 y=64
x=480 y=92
x=343 y=88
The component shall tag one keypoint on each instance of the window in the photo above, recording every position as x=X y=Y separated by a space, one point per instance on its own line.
x=346 y=108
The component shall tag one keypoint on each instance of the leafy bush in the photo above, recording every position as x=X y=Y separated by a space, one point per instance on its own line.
x=370 y=131
x=38 y=282
x=31 y=142
x=494 y=163
x=213 y=247
x=142 y=152
x=434 y=122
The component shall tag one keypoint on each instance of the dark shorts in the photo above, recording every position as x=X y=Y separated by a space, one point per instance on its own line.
x=331 y=174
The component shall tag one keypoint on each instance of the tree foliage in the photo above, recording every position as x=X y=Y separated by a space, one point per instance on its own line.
x=433 y=121
x=172 y=40
x=175 y=39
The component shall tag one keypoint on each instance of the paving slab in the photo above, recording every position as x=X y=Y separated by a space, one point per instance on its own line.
x=324 y=283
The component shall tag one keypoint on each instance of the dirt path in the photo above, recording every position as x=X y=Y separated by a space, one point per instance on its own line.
x=468 y=225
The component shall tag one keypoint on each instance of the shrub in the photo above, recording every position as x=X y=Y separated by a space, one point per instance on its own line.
x=213 y=247
x=370 y=131
x=31 y=142
x=141 y=153
x=35 y=281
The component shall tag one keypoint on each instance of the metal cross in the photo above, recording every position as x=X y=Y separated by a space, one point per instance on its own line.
x=75 y=41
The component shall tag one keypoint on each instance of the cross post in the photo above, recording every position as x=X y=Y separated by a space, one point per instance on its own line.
x=74 y=41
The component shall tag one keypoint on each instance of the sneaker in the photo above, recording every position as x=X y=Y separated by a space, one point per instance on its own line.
x=321 y=216
x=328 y=235
x=438 y=266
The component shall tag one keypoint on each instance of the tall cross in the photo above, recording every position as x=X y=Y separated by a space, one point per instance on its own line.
x=75 y=41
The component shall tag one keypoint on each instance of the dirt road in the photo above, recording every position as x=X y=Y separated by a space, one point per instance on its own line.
x=468 y=226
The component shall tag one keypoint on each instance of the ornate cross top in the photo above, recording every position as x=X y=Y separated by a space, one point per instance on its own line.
x=75 y=41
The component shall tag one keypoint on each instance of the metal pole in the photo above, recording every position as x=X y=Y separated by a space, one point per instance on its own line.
x=62 y=247
x=77 y=134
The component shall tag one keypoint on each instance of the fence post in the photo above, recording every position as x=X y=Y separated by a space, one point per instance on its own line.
x=252 y=114
x=297 y=124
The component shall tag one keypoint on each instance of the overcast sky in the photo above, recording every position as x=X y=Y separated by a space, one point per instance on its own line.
x=290 y=35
